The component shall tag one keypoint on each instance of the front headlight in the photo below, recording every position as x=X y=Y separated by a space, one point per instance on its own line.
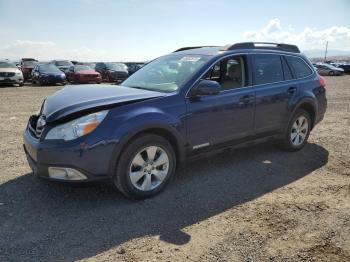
x=18 y=73
x=77 y=127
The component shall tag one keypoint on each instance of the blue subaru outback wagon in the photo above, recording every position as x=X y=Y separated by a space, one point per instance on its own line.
x=189 y=102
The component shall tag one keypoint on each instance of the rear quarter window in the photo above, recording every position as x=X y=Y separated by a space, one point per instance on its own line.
x=299 y=67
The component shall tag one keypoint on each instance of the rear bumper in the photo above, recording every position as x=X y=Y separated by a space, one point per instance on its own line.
x=91 y=160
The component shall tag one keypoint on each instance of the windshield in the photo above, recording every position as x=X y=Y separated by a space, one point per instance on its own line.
x=29 y=63
x=49 y=68
x=81 y=68
x=167 y=73
x=7 y=65
x=116 y=66
x=63 y=63
x=332 y=67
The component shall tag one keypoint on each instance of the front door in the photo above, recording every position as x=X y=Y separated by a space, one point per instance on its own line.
x=227 y=116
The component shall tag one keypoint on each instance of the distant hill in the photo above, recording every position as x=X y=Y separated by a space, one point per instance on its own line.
x=320 y=53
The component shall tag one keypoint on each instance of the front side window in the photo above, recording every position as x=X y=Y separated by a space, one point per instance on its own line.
x=267 y=69
x=229 y=73
x=299 y=67
x=167 y=73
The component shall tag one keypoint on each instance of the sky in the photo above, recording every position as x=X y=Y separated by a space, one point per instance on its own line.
x=137 y=30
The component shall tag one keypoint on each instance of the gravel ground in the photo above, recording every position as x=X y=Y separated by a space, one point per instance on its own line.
x=252 y=204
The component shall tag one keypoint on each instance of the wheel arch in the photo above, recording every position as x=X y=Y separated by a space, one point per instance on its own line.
x=309 y=106
x=160 y=129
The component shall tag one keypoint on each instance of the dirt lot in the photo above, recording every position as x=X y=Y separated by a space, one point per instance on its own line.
x=253 y=204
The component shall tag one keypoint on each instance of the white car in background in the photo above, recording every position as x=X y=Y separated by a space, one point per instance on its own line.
x=10 y=74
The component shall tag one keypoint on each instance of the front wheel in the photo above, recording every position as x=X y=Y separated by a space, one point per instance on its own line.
x=298 y=131
x=145 y=167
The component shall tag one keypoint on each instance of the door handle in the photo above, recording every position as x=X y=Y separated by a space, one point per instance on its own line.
x=245 y=99
x=291 y=90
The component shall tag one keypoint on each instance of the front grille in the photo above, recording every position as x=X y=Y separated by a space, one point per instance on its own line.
x=7 y=74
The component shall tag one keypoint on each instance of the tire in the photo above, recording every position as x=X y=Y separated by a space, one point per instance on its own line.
x=21 y=84
x=331 y=73
x=149 y=179
x=300 y=135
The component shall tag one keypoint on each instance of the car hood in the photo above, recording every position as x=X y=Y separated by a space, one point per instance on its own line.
x=52 y=73
x=74 y=100
x=9 y=70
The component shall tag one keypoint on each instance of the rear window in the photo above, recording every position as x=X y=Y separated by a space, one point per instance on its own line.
x=299 y=67
x=267 y=69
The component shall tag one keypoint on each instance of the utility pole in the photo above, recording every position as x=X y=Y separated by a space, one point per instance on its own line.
x=325 y=54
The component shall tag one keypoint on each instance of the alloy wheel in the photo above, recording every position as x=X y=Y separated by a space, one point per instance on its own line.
x=149 y=168
x=299 y=131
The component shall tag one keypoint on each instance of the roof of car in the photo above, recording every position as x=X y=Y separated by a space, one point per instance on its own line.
x=248 y=47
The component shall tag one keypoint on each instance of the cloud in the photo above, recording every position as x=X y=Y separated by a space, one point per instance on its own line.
x=47 y=50
x=308 y=39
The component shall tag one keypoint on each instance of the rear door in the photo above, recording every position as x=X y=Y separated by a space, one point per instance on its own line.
x=227 y=116
x=275 y=88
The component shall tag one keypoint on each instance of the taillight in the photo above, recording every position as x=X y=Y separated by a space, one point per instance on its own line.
x=322 y=81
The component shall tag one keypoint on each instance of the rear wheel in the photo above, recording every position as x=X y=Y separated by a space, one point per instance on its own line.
x=298 y=131
x=145 y=167
x=331 y=73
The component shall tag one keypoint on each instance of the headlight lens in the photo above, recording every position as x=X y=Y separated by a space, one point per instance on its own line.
x=77 y=127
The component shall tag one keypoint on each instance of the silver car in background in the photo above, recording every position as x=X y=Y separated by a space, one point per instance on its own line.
x=328 y=70
x=10 y=74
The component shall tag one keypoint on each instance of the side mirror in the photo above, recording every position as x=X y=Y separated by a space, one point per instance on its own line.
x=206 y=88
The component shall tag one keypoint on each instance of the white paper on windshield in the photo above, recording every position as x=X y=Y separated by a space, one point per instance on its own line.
x=190 y=58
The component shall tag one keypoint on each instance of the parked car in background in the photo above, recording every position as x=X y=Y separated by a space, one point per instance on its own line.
x=63 y=65
x=45 y=74
x=328 y=70
x=10 y=74
x=133 y=67
x=112 y=72
x=83 y=74
x=178 y=106
x=27 y=65
x=345 y=67
x=28 y=59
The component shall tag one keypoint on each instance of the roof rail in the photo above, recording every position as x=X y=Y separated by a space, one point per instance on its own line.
x=192 y=47
x=262 y=45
